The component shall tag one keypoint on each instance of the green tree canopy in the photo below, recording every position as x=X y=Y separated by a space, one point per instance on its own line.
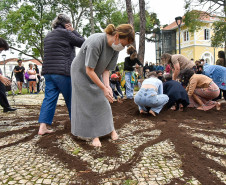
x=25 y=23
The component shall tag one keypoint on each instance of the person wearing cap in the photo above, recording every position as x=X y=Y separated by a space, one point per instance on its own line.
x=4 y=82
x=114 y=83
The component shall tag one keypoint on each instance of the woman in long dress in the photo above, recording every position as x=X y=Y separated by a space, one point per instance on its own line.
x=91 y=93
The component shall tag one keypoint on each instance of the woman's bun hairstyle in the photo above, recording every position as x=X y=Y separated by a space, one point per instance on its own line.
x=110 y=29
x=131 y=50
x=61 y=19
x=123 y=30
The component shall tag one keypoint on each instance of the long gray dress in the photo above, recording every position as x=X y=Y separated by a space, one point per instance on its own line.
x=91 y=114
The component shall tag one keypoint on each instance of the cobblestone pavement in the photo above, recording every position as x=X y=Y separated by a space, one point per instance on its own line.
x=23 y=162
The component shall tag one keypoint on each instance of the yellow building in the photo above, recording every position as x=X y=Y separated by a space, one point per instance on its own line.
x=195 y=45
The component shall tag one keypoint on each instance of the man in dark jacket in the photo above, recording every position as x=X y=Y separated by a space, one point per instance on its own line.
x=59 y=53
x=4 y=82
x=178 y=97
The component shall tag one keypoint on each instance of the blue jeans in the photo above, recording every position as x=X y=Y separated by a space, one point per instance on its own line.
x=129 y=85
x=55 y=84
x=149 y=99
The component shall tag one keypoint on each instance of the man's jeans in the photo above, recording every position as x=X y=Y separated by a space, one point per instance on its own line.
x=55 y=84
x=148 y=98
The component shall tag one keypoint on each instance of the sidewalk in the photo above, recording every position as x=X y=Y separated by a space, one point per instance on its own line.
x=30 y=99
x=143 y=155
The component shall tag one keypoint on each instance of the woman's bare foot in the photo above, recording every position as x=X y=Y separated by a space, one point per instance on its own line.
x=143 y=112
x=173 y=108
x=181 y=108
x=152 y=112
x=201 y=108
x=218 y=106
x=96 y=142
x=43 y=129
x=114 y=135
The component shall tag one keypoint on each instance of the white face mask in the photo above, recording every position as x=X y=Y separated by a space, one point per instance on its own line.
x=117 y=47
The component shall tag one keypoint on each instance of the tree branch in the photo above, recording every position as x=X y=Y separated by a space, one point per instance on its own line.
x=79 y=17
x=204 y=4
x=26 y=54
x=214 y=9
x=218 y=2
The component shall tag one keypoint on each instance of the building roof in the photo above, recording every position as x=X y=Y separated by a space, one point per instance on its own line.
x=173 y=25
x=24 y=61
x=204 y=17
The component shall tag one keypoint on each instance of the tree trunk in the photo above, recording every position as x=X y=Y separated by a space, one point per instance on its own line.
x=130 y=15
x=225 y=19
x=91 y=16
x=142 y=31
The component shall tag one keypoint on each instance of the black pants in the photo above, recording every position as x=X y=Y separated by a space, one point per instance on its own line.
x=38 y=84
x=3 y=99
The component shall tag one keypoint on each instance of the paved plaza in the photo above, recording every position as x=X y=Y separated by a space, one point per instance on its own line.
x=141 y=156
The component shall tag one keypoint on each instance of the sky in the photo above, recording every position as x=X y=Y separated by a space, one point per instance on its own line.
x=166 y=11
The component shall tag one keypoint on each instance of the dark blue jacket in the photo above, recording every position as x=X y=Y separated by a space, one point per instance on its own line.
x=176 y=93
x=59 y=50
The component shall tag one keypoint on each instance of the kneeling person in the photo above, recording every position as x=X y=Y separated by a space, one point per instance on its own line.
x=178 y=97
x=150 y=97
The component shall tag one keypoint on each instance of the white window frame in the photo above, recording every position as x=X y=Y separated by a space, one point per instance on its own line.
x=206 y=34
x=185 y=36
x=209 y=57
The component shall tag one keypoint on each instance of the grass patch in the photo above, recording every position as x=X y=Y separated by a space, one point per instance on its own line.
x=100 y=159
x=130 y=182
x=24 y=91
x=76 y=151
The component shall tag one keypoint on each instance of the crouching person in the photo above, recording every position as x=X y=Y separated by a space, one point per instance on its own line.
x=178 y=97
x=150 y=97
